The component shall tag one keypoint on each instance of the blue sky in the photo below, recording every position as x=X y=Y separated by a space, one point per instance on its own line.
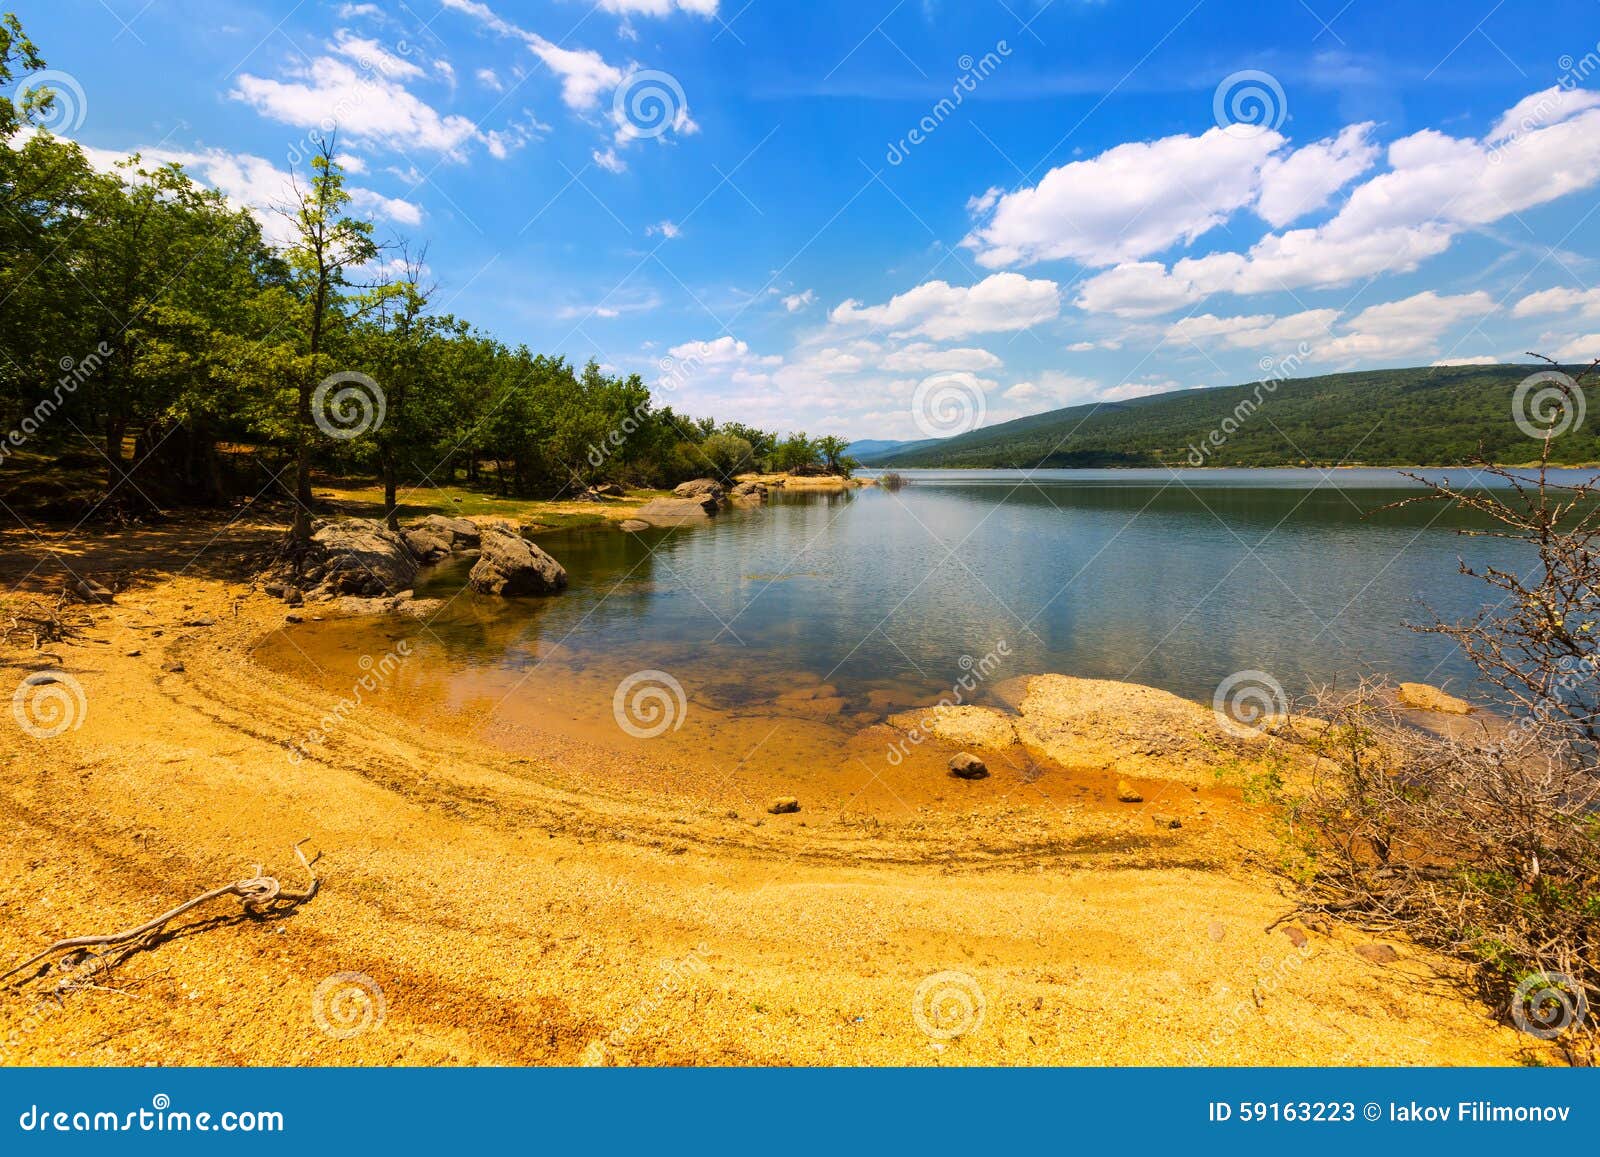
x=764 y=207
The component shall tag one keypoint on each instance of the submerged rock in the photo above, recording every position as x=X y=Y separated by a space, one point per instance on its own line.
x=677 y=511
x=511 y=566
x=635 y=524
x=1428 y=698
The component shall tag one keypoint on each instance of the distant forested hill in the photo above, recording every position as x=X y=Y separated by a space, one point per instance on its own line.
x=1423 y=416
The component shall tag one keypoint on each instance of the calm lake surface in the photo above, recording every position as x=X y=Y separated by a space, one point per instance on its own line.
x=1172 y=578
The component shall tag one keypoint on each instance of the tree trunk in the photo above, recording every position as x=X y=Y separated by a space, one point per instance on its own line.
x=302 y=468
x=116 y=429
x=390 y=516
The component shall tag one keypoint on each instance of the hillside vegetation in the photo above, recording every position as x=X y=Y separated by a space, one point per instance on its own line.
x=1421 y=416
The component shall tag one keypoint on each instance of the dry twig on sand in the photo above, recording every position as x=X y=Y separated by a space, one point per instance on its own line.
x=256 y=893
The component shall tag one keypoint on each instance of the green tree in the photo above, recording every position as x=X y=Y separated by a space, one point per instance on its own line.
x=328 y=244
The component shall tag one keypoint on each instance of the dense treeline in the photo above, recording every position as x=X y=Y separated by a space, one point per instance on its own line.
x=150 y=328
x=1437 y=415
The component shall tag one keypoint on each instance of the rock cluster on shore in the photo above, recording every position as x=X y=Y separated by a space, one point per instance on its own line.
x=367 y=568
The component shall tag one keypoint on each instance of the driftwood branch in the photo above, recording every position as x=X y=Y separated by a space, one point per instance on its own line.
x=255 y=893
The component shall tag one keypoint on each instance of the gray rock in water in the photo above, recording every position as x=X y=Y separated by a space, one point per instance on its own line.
x=968 y=766
x=676 y=511
x=635 y=524
x=700 y=488
x=749 y=492
x=511 y=566
x=357 y=556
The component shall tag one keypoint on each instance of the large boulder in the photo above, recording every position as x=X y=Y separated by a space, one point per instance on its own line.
x=699 y=488
x=357 y=556
x=676 y=511
x=511 y=566
x=437 y=536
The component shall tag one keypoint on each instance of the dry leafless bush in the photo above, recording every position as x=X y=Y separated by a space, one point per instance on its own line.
x=1486 y=843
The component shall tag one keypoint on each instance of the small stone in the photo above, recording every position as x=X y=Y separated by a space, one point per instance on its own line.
x=175 y=668
x=783 y=805
x=294 y=618
x=201 y=621
x=276 y=590
x=1296 y=936
x=135 y=653
x=968 y=766
x=1127 y=793
x=1165 y=821
x=1377 y=953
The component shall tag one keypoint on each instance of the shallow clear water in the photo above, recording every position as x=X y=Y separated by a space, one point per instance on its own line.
x=1176 y=579
x=877 y=601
